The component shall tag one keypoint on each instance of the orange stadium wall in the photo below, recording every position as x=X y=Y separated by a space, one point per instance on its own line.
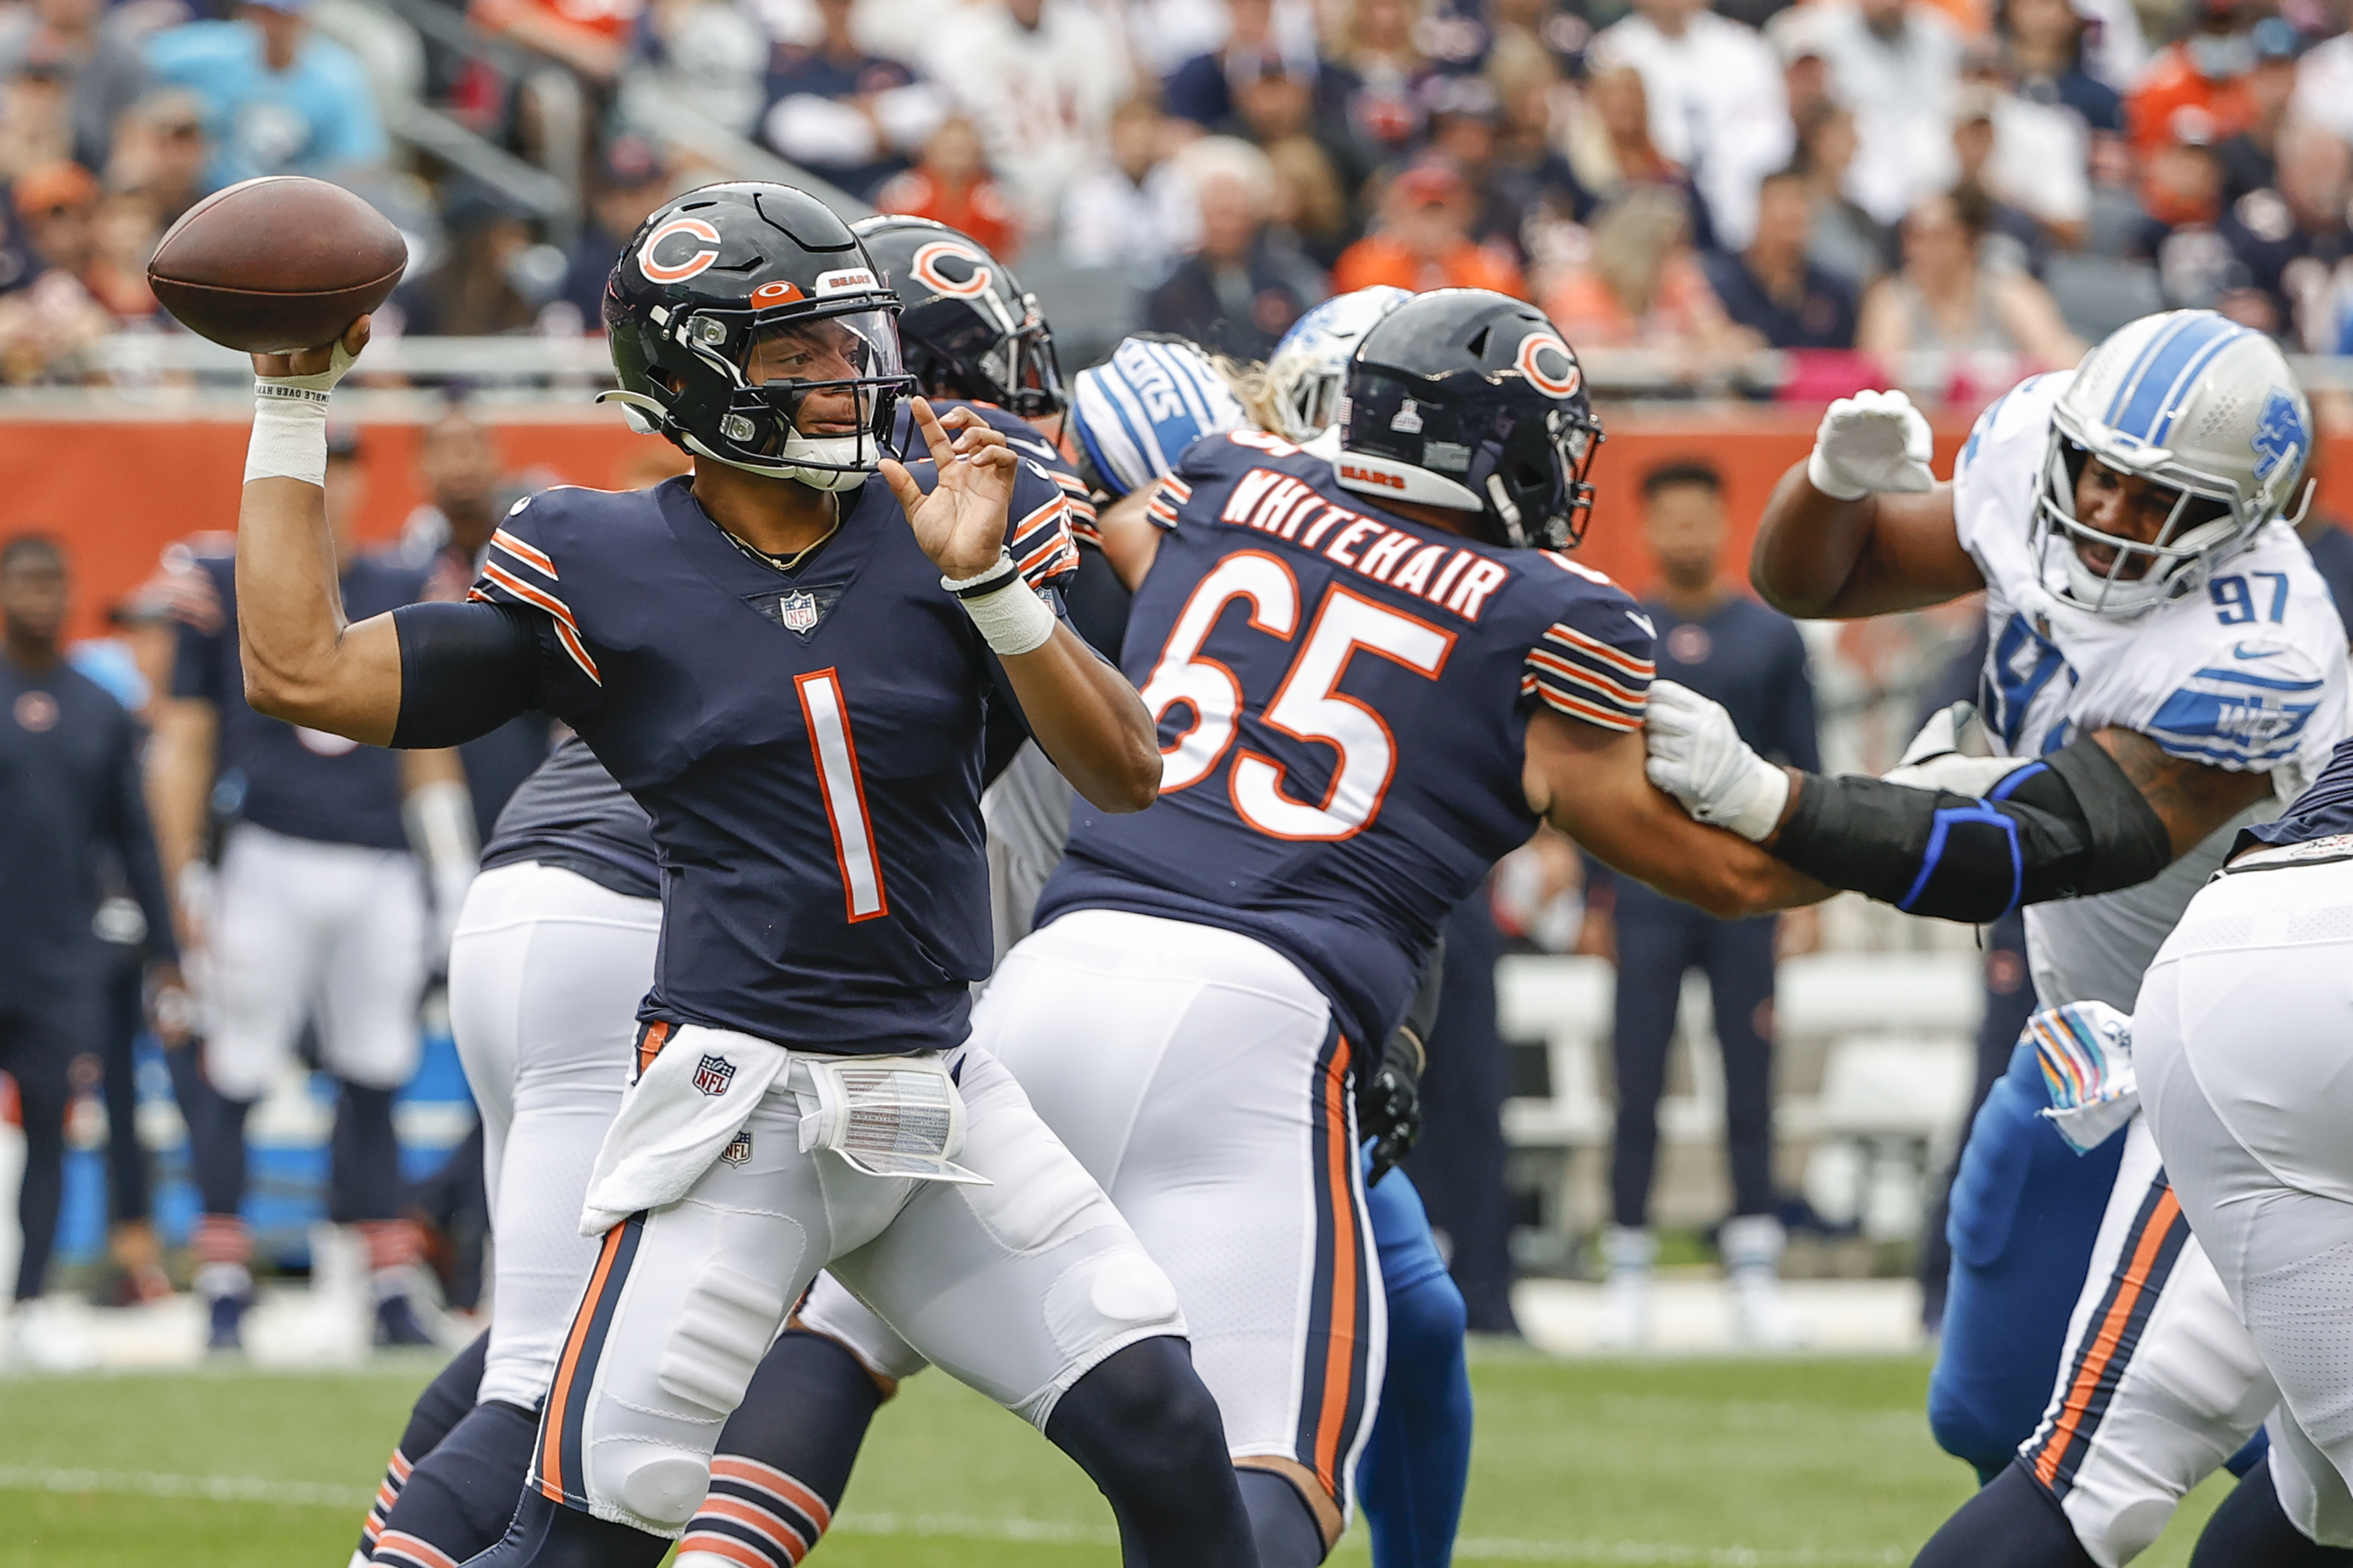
x=118 y=491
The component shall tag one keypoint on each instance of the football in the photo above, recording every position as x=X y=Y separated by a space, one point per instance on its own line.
x=276 y=264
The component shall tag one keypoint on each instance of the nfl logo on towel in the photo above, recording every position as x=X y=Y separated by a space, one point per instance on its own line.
x=713 y=1073
x=797 y=612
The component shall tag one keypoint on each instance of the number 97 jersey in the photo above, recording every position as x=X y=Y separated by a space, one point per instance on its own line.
x=1342 y=697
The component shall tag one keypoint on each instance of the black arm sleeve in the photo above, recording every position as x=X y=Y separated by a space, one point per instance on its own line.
x=2063 y=827
x=1421 y=1013
x=465 y=669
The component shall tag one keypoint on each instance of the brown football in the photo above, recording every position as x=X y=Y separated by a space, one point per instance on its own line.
x=276 y=264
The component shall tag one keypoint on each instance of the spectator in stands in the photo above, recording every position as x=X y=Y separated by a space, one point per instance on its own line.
x=100 y=67
x=1039 y=79
x=592 y=39
x=36 y=120
x=1527 y=177
x=1375 y=45
x=2032 y=157
x=51 y=327
x=1131 y=208
x=2201 y=74
x=2181 y=200
x=2291 y=245
x=2044 y=42
x=1424 y=240
x=2324 y=79
x=1846 y=239
x=1241 y=289
x=2015 y=237
x=1733 y=649
x=2247 y=158
x=159 y=152
x=1773 y=288
x=278 y=99
x=1797 y=37
x=1944 y=297
x=1717 y=104
x=1638 y=285
x=486 y=280
x=123 y=232
x=1895 y=63
x=631 y=182
x=1200 y=92
x=951 y=183
x=1275 y=111
x=712 y=54
x=848 y=116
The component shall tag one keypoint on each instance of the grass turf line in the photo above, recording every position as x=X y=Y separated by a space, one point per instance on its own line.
x=1704 y=1464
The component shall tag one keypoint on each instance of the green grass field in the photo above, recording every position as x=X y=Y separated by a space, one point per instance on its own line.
x=1694 y=1464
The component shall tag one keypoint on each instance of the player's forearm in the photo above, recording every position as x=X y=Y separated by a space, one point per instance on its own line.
x=1809 y=546
x=1131 y=539
x=179 y=781
x=303 y=662
x=1090 y=722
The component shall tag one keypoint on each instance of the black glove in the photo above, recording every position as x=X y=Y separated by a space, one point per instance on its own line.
x=1388 y=1102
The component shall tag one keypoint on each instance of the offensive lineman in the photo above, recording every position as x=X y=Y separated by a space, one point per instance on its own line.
x=2163 y=645
x=814 y=801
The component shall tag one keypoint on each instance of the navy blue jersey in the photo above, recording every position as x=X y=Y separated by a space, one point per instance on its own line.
x=570 y=813
x=69 y=794
x=807 y=744
x=1342 y=697
x=2323 y=811
x=1752 y=661
x=305 y=784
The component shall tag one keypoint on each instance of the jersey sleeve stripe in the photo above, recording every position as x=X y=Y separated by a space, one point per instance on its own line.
x=2265 y=683
x=1595 y=649
x=1177 y=487
x=1600 y=681
x=1044 y=517
x=1051 y=559
x=1603 y=718
x=578 y=650
x=538 y=598
x=536 y=559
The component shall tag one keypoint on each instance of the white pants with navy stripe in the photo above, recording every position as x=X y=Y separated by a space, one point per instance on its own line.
x=1198 y=1075
x=2244 y=1043
x=304 y=930
x=1016 y=1289
x=545 y=975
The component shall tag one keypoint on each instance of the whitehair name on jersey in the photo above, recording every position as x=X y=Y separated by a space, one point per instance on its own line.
x=2248 y=673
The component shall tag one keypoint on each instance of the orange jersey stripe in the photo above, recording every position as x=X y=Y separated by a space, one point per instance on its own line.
x=528 y=554
x=551 y=1462
x=1591 y=679
x=1595 y=648
x=578 y=650
x=529 y=595
x=2106 y=1342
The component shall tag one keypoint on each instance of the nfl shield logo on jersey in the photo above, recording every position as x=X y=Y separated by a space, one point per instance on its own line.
x=797 y=612
x=713 y=1073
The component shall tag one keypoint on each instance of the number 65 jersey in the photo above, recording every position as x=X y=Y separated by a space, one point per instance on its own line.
x=2248 y=675
x=1342 y=697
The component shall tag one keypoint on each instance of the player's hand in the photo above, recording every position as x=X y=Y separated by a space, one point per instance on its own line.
x=169 y=1008
x=1696 y=755
x=1389 y=1105
x=319 y=368
x=961 y=523
x=1872 y=441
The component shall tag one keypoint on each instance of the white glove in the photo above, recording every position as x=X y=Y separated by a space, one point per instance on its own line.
x=1949 y=753
x=1872 y=441
x=1696 y=756
x=2085 y=1049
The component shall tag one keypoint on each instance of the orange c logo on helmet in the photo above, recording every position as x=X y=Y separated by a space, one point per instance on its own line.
x=779 y=292
x=927 y=268
x=1550 y=368
x=694 y=263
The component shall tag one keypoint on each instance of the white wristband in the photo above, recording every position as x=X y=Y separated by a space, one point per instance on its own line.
x=1012 y=619
x=1769 y=798
x=290 y=436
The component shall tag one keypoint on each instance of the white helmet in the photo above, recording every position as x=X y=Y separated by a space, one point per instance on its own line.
x=2193 y=402
x=1306 y=373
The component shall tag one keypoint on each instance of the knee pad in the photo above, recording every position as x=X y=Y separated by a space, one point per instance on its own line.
x=1116 y=1293
x=724 y=1328
x=662 y=1487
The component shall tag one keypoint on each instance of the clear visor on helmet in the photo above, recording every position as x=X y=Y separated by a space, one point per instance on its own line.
x=828 y=373
x=2155 y=531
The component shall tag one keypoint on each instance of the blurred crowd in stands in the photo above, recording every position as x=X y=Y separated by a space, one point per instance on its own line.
x=1855 y=180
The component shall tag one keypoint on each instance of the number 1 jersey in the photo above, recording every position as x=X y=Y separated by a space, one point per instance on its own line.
x=1342 y=697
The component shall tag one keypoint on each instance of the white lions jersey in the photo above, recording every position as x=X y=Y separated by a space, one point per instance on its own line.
x=2248 y=675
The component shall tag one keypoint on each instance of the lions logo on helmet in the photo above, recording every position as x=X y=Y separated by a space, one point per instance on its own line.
x=2193 y=402
x=1471 y=400
x=967 y=327
x=1308 y=370
x=748 y=327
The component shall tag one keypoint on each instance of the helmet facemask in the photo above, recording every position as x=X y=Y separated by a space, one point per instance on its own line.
x=2205 y=523
x=1011 y=365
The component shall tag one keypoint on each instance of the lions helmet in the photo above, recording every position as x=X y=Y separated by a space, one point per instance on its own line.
x=2193 y=402
x=966 y=327
x=1134 y=414
x=1308 y=370
x=1472 y=400
x=737 y=305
